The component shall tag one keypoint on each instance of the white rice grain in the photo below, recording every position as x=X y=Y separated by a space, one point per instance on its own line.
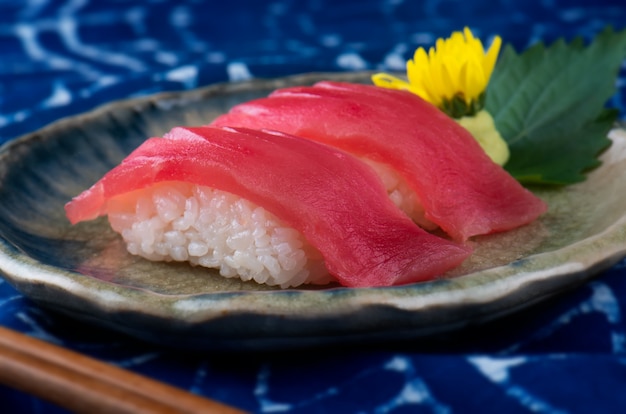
x=215 y=229
x=401 y=194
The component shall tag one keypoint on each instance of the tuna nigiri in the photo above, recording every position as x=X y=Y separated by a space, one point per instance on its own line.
x=267 y=206
x=434 y=169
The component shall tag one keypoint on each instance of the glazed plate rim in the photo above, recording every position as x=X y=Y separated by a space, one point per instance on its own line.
x=220 y=319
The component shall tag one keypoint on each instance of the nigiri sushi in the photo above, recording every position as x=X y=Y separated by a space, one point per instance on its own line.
x=263 y=206
x=433 y=168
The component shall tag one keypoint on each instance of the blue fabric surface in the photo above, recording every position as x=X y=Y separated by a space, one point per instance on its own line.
x=59 y=58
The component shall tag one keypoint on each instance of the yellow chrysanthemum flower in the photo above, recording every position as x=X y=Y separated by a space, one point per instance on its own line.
x=453 y=76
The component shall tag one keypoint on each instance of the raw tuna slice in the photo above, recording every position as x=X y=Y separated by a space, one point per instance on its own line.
x=457 y=185
x=329 y=196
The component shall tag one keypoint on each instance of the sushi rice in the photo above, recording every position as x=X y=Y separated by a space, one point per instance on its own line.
x=177 y=221
x=401 y=194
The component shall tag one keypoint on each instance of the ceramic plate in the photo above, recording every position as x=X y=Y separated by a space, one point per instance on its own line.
x=84 y=271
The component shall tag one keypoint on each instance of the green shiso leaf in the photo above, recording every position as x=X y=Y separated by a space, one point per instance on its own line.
x=548 y=104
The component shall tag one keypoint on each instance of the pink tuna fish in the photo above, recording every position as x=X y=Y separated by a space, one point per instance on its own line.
x=458 y=186
x=333 y=199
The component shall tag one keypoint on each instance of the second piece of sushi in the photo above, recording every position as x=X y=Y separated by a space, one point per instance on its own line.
x=434 y=169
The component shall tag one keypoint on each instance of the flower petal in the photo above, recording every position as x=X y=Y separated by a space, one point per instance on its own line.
x=492 y=56
x=454 y=68
x=389 y=81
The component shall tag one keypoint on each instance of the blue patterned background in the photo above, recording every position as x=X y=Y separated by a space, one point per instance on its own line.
x=59 y=58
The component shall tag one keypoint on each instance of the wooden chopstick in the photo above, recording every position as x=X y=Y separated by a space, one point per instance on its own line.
x=84 y=385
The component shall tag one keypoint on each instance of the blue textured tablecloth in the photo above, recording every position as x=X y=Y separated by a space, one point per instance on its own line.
x=59 y=58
